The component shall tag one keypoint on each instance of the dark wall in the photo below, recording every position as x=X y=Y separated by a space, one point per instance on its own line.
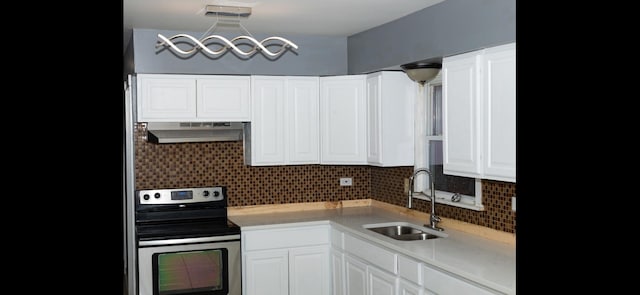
x=447 y=28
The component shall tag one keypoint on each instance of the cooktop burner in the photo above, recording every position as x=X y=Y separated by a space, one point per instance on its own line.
x=183 y=213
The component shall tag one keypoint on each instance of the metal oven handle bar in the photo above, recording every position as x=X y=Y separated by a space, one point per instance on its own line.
x=188 y=240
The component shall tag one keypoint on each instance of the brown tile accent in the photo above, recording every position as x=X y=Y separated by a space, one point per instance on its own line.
x=222 y=163
x=387 y=185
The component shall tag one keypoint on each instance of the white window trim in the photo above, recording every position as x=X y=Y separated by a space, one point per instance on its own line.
x=443 y=197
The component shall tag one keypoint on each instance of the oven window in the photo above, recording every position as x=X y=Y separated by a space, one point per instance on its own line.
x=190 y=272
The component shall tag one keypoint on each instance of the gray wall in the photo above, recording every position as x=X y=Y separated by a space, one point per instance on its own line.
x=447 y=28
x=129 y=63
x=315 y=56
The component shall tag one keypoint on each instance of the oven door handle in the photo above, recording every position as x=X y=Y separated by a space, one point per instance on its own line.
x=188 y=240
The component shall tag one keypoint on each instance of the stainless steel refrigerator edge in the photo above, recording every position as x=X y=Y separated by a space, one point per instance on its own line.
x=130 y=255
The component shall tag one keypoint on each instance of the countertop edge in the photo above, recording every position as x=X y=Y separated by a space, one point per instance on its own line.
x=462 y=226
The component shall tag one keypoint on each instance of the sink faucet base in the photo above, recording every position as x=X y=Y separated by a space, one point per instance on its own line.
x=433 y=218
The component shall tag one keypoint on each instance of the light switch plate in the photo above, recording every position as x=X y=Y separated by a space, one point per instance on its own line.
x=513 y=203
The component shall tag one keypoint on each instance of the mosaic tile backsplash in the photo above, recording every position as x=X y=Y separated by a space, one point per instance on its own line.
x=222 y=163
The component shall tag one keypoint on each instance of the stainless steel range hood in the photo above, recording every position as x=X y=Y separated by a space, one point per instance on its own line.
x=178 y=132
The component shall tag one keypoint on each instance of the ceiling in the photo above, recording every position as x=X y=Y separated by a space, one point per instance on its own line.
x=306 y=17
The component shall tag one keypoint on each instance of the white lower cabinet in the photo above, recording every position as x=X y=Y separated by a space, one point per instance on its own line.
x=369 y=269
x=292 y=260
x=407 y=288
x=362 y=267
x=309 y=271
x=337 y=272
x=320 y=260
x=266 y=272
x=355 y=276
x=447 y=284
x=381 y=282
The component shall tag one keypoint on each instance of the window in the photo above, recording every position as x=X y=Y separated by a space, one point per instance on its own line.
x=469 y=189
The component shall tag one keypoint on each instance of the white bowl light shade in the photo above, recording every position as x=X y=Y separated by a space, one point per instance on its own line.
x=421 y=72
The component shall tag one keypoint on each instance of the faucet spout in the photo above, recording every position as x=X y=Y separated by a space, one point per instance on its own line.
x=433 y=218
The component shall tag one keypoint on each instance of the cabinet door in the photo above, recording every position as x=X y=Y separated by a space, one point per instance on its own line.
x=499 y=132
x=309 y=271
x=355 y=276
x=301 y=113
x=408 y=288
x=268 y=122
x=397 y=107
x=266 y=273
x=381 y=282
x=374 y=116
x=163 y=98
x=224 y=98
x=461 y=115
x=337 y=272
x=343 y=120
x=390 y=108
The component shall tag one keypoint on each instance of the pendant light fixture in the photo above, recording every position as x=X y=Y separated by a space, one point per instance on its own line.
x=421 y=72
x=230 y=17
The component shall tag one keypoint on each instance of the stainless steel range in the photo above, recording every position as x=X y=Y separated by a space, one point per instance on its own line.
x=186 y=244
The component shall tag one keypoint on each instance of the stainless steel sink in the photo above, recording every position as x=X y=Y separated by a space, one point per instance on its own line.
x=405 y=231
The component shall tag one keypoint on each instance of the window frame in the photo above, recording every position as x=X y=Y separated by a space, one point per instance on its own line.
x=444 y=197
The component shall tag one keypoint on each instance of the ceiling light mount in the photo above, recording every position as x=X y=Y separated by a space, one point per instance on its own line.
x=234 y=11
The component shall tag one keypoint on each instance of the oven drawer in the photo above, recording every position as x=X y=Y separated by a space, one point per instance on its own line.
x=289 y=237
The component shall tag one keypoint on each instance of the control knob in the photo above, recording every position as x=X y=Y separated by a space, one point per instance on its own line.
x=146 y=196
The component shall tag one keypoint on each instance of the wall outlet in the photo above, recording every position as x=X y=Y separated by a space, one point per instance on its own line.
x=513 y=203
x=345 y=181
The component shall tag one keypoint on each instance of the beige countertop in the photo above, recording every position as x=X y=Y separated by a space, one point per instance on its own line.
x=475 y=253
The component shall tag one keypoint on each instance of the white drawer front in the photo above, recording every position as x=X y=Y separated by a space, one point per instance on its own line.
x=410 y=269
x=285 y=237
x=379 y=257
x=445 y=284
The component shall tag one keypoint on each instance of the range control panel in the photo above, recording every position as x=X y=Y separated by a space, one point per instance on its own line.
x=181 y=196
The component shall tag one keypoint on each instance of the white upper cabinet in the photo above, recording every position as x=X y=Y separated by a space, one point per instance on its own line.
x=343 y=120
x=499 y=123
x=390 y=104
x=284 y=124
x=165 y=98
x=267 y=121
x=461 y=115
x=303 y=122
x=224 y=98
x=479 y=113
x=193 y=98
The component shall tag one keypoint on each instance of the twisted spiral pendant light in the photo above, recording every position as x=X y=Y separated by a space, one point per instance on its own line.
x=200 y=44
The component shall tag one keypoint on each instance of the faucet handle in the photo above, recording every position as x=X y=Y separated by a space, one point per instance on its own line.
x=435 y=218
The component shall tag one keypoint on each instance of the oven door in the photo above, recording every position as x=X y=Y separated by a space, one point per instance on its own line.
x=203 y=266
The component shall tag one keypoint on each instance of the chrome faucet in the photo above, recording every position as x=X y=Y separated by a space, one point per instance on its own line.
x=433 y=218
